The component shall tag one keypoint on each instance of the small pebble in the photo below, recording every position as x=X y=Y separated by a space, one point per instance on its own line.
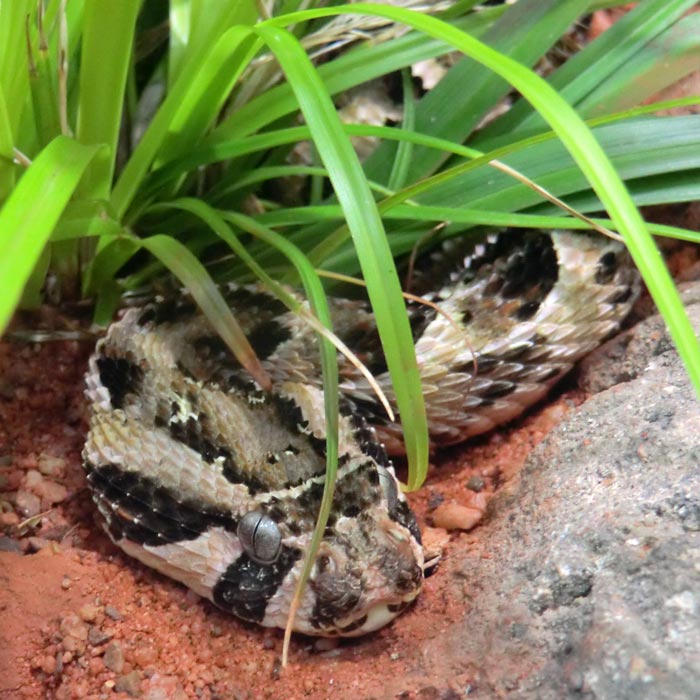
x=88 y=613
x=33 y=479
x=75 y=633
x=96 y=636
x=9 y=519
x=48 y=665
x=145 y=656
x=435 y=498
x=51 y=466
x=12 y=479
x=73 y=626
x=453 y=516
x=326 y=643
x=51 y=492
x=7 y=544
x=73 y=646
x=164 y=688
x=34 y=544
x=215 y=631
x=475 y=483
x=28 y=504
x=114 y=657
x=112 y=612
x=129 y=684
x=65 y=584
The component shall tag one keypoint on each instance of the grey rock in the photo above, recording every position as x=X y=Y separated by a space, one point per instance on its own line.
x=114 y=657
x=96 y=636
x=8 y=544
x=113 y=613
x=592 y=588
x=129 y=683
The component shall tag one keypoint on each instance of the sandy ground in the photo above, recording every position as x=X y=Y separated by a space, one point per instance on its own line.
x=78 y=619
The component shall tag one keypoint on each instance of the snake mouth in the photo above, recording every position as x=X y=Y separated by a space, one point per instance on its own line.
x=375 y=618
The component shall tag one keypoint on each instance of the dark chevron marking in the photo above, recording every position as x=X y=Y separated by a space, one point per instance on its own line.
x=242 y=298
x=265 y=338
x=356 y=491
x=169 y=310
x=146 y=513
x=194 y=433
x=607 y=266
x=120 y=377
x=246 y=586
x=363 y=434
x=403 y=515
x=291 y=417
x=532 y=268
x=498 y=389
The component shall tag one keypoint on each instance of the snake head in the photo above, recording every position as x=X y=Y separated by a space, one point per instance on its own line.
x=369 y=565
x=219 y=486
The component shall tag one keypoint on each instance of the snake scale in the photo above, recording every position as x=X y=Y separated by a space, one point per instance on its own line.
x=199 y=474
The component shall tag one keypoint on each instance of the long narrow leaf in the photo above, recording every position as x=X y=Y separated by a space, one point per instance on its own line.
x=364 y=222
x=25 y=227
x=525 y=32
x=194 y=276
x=219 y=69
x=108 y=35
x=590 y=68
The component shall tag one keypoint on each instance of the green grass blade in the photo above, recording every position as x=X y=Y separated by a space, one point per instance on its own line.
x=590 y=68
x=43 y=86
x=404 y=151
x=664 y=61
x=7 y=167
x=208 y=21
x=25 y=227
x=206 y=82
x=185 y=266
x=108 y=36
x=638 y=148
x=364 y=222
x=100 y=275
x=15 y=16
x=524 y=32
x=179 y=22
x=359 y=65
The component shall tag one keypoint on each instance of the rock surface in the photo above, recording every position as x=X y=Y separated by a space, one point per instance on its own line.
x=592 y=587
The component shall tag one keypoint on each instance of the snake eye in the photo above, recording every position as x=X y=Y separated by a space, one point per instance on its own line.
x=260 y=537
x=389 y=487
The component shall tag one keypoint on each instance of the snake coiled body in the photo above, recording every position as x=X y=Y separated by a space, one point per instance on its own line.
x=203 y=476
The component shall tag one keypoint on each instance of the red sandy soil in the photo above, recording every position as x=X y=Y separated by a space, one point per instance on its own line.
x=78 y=619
